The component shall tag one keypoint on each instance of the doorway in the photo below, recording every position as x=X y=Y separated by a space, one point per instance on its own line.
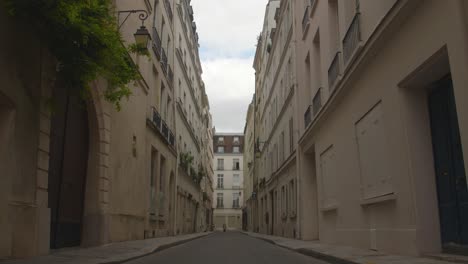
x=272 y=200
x=68 y=162
x=449 y=168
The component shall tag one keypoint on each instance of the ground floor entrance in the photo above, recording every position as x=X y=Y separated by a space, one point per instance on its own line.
x=449 y=168
x=67 y=168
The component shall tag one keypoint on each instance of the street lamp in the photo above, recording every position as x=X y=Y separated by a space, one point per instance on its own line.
x=142 y=36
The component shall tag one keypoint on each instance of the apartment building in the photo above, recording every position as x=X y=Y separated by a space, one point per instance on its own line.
x=276 y=122
x=87 y=174
x=229 y=180
x=192 y=108
x=249 y=211
x=380 y=124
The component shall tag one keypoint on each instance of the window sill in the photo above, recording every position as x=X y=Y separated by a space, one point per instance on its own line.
x=380 y=199
x=329 y=208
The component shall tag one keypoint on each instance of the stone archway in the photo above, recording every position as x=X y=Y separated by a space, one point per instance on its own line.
x=96 y=205
x=78 y=175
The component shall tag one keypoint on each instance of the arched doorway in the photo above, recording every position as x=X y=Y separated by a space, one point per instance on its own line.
x=69 y=147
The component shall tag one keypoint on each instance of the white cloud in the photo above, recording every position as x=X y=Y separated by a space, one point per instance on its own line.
x=228 y=27
x=228 y=32
x=230 y=84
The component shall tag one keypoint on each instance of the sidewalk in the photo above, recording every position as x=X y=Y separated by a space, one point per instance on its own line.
x=112 y=253
x=348 y=255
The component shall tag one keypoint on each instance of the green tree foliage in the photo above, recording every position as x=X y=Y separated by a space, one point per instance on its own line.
x=84 y=38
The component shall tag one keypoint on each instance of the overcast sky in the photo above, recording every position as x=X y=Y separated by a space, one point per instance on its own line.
x=228 y=31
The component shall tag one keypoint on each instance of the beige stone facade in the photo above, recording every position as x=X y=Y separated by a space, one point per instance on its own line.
x=379 y=134
x=86 y=174
x=276 y=123
x=228 y=185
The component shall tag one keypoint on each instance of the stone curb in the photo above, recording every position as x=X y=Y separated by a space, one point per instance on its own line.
x=157 y=249
x=308 y=252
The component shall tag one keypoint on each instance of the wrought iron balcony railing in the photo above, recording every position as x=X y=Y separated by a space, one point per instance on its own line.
x=156 y=43
x=352 y=38
x=334 y=71
x=165 y=130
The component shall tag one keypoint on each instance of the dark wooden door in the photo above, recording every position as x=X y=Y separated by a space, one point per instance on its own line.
x=449 y=166
x=67 y=168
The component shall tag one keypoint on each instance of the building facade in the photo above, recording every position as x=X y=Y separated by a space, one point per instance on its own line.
x=87 y=174
x=276 y=122
x=249 y=196
x=380 y=127
x=228 y=184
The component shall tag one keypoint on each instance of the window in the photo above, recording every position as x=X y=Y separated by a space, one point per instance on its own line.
x=236 y=140
x=219 y=200
x=281 y=148
x=220 y=149
x=373 y=154
x=236 y=164
x=292 y=193
x=220 y=139
x=236 y=149
x=220 y=184
x=291 y=135
x=220 y=164
x=235 y=200
x=236 y=181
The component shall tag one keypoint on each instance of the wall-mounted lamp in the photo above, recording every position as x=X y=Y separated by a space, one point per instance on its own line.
x=142 y=36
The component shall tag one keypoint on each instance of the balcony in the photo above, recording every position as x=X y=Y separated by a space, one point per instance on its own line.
x=334 y=71
x=165 y=130
x=161 y=127
x=164 y=61
x=308 y=116
x=156 y=44
x=351 y=39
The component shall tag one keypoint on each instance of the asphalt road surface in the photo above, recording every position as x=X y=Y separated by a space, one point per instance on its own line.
x=226 y=248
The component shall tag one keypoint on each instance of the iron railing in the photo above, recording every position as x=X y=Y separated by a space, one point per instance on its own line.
x=171 y=139
x=352 y=38
x=307 y=116
x=334 y=71
x=317 y=102
x=156 y=118
x=156 y=43
x=165 y=131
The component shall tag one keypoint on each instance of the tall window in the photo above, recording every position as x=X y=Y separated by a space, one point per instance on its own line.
x=220 y=164
x=220 y=181
x=235 y=200
x=236 y=181
x=236 y=140
x=291 y=135
x=236 y=149
x=220 y=149
x=236 y=164
x=219 y=200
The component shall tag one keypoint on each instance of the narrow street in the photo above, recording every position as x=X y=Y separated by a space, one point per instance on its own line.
x=226 y=248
